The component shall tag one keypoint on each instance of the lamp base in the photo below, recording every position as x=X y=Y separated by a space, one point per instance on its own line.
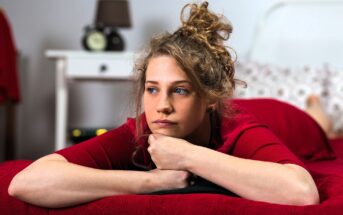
x=114 y=40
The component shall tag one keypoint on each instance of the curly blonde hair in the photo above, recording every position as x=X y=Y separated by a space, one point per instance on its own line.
x=198 y=47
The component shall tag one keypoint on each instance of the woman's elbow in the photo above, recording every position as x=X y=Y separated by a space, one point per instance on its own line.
x=302 y=189
x=12 y=190
x=307 y=195
x=23 y=187
x=301 y=192
x=27 y=186
x=297 y=195
x=16 y=188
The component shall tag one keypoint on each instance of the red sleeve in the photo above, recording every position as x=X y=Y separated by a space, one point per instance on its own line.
x=111 y=150
x=259 y=143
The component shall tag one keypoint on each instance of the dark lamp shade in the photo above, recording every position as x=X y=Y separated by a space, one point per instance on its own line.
x=113 y=13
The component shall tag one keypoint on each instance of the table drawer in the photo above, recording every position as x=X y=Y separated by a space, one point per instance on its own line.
x=99 y=68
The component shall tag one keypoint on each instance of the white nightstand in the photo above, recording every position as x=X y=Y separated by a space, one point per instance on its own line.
x=78 y=65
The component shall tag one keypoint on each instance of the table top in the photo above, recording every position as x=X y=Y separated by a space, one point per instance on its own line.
x=87 y=54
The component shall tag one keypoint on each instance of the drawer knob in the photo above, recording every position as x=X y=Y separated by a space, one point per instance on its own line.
x=103 y=68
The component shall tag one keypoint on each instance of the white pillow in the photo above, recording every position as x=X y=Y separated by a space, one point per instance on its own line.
x=290 y=84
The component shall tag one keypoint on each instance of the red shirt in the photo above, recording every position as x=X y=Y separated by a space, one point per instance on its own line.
x=241 y=135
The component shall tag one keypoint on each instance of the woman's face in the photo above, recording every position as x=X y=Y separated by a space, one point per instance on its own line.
x=171 y=104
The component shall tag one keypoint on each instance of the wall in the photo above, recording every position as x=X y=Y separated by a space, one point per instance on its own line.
x=298 y=34
x=39 y=25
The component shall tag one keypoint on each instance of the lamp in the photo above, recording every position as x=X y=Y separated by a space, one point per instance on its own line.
x=103 y=34
x=112 y=14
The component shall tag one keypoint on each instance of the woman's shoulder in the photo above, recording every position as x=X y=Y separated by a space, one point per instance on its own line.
x=229 y=127
x=131 y=123
x=239 y=119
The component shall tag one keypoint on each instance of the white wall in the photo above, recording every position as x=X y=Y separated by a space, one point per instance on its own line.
x=39 y=25
x=298 y=34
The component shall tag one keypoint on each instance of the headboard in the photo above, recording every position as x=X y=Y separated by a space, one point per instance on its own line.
x=298 y=32
x=297 y=51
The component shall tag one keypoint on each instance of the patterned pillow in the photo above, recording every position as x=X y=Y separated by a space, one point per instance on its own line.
x=294 y=85
x=290 y=84
x=335 y=94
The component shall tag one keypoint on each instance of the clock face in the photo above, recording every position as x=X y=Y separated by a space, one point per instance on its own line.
x=96 y=41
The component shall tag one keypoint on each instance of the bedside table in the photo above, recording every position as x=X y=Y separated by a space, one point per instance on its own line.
x=81 y=65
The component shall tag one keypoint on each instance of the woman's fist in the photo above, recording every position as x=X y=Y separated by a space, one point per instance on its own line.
x=168 y=152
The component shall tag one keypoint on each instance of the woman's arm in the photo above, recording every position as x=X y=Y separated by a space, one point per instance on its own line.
x=256 y=180
x=54 y=182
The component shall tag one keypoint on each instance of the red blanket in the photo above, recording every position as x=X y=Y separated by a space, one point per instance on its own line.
x=327 y=174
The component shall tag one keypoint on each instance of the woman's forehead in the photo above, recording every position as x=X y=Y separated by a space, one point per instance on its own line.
x=165 y=69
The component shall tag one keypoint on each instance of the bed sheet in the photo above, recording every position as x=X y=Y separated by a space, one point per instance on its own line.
x=334 y=167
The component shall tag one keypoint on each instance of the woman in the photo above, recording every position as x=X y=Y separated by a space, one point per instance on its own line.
x=183 y=81
x=316 y=110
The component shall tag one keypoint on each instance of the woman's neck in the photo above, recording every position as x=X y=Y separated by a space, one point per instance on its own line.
x=202 y=135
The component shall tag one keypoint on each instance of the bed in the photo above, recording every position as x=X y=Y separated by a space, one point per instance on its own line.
x=323 y=158
x=297 y=51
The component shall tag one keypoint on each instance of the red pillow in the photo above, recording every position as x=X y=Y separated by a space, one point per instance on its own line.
x=303 y=136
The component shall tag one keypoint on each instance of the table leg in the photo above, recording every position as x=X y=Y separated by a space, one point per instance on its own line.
x=61 y=105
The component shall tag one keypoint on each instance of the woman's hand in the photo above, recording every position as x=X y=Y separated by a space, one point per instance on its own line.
x=169 y=179
x=168 y=152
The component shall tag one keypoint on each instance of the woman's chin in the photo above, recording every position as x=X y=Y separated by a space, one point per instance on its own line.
x=167 y=133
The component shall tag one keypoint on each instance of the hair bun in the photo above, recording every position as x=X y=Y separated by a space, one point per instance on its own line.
x=204 y=25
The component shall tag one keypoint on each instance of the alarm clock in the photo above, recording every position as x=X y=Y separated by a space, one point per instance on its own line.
x=102 y=38
x=94 y=39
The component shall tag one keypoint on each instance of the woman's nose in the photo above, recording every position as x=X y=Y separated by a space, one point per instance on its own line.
x=164 y=105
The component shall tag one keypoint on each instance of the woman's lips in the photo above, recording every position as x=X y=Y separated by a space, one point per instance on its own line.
x=164 y=123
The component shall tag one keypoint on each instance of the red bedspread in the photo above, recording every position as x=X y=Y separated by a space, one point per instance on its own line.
x=328 y=176
x=334 y=167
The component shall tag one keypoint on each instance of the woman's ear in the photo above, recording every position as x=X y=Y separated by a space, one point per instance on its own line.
x=211 y=107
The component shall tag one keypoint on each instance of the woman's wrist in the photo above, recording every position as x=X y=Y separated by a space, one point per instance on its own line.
x=149 y=182
x=189 y=157
x=135 y=182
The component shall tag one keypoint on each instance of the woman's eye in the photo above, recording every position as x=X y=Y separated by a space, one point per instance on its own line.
x=151 y=90
x=181 y=91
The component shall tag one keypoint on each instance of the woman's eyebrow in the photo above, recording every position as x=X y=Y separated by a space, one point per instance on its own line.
x=174 y=82
x=152 y=82
x=182 y=81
